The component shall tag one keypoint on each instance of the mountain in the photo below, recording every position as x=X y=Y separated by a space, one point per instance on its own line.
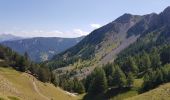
x=41 y=49
x=8 y=37
x=103 y=45
x=125 y=58
x=99 y=47
x=111 y=59
x=154 y=32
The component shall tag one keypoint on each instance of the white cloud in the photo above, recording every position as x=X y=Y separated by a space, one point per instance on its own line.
x=53 y=33
x=95 y=26
x=80 y=32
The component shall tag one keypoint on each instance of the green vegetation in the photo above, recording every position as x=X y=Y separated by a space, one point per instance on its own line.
x=142 y=66
x=121 y=75
x=9 y=58
x=72 y=85
x=115 y=78
x=46 y=50
x=160 y=93
x=84 y=50
x=21 y=85
x=98 y=82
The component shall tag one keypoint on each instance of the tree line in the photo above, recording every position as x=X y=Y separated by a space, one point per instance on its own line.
x=9 y=58
x=153 y=67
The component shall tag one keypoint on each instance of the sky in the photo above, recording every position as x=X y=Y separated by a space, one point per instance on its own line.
x=67 y=18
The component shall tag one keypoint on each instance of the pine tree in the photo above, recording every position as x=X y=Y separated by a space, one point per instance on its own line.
x=110 y=71
x=165 y=55
x=21 y=63
x=99 y=82
x=78 y=86
x=44 y=74
x=145 y=62
x=130 y=80
x=155 y=59
x=108 y=68
x=130 y=65
x=147 y=82
x=26 y=56
x=159 y=76
x=119 y=77
x=88 y=80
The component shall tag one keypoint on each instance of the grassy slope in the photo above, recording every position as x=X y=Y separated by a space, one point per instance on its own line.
x=22 y=86
x=160 y=93
x=117 y=94
x=132 y=92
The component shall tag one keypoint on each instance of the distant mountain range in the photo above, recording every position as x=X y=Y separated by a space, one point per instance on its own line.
x=40 y=48
x=8 y=37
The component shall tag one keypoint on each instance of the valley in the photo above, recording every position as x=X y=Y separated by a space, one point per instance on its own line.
x=41 y=49
x=125 y=59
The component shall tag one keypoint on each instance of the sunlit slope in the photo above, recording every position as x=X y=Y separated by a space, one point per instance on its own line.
x=160 y=93
x=21 y=86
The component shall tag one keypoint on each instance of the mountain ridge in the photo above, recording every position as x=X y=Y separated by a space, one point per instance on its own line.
x=41 y=48
x=103 y=45
x=9 y=37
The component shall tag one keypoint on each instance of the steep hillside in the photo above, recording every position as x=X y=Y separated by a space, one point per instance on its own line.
x=160 y=93
x=23 y=86
x=102 y=41
x=42 y=49
x=99 y=47
x=104 y=44
x=156 y=34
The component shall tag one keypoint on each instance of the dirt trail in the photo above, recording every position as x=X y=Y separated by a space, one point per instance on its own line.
x=33 y=80
x=36 y=89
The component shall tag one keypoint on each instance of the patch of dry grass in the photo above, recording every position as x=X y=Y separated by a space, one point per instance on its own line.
x=160 y=93
x=20 y=85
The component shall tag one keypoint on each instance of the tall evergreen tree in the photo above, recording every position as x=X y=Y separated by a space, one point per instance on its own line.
x=165 y=55
x=155 y=59
x=21 y=64
x=78 y=86
x=108 y=68
x=26 y=56
x=88 y=81
x=99 y=82
x=43 y=75
x=130 y=80
x=130 y=65
x=145 y=62
x=110 y=71
x=119 y=77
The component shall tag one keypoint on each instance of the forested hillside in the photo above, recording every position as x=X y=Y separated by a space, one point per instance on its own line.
x=9 y=58
x=145 y=57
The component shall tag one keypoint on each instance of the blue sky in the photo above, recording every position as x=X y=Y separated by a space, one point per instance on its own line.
x=67 y=18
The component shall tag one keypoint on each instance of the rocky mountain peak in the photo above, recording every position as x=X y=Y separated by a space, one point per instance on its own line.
x=166 y=15
x=124 y=18
x=167 y=10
